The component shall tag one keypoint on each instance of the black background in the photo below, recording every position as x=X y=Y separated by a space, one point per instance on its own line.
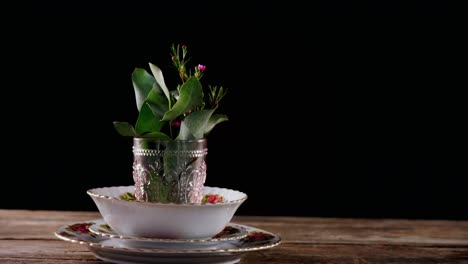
x=336 y=109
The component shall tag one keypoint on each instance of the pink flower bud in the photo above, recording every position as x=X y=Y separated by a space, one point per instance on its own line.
x=201 y=67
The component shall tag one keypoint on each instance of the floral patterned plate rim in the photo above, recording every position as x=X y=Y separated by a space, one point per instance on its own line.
x=230 y=232
x=256 y=239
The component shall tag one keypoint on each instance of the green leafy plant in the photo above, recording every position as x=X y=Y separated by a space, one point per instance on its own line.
x=184 y=113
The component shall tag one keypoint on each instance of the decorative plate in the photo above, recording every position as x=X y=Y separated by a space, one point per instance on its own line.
x=113 y=250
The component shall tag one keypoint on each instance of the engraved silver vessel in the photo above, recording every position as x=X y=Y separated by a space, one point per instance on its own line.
x=169 y=171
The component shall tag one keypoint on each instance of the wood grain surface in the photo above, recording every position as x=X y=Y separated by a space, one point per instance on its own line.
x=27 y=237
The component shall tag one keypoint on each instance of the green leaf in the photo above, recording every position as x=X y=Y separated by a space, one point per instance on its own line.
x=184 y=132
x=157 y=135
x=157 y=102
x=128 y=196
x=214 y=120
x=197 y=121
x=198 y=124
x=147 y=122
x=142 y=83
x=152 y=112
x=157 y=73
x=125 y=129
x=190 y=96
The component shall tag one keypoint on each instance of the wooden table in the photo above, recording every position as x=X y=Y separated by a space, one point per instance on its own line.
x=27 y=237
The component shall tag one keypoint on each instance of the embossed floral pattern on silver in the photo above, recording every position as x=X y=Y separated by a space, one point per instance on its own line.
x=169 y=171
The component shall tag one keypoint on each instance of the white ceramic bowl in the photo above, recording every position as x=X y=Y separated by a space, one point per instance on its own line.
x=166 y=220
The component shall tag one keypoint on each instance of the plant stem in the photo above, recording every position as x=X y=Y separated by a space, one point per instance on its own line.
x=170 y=129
